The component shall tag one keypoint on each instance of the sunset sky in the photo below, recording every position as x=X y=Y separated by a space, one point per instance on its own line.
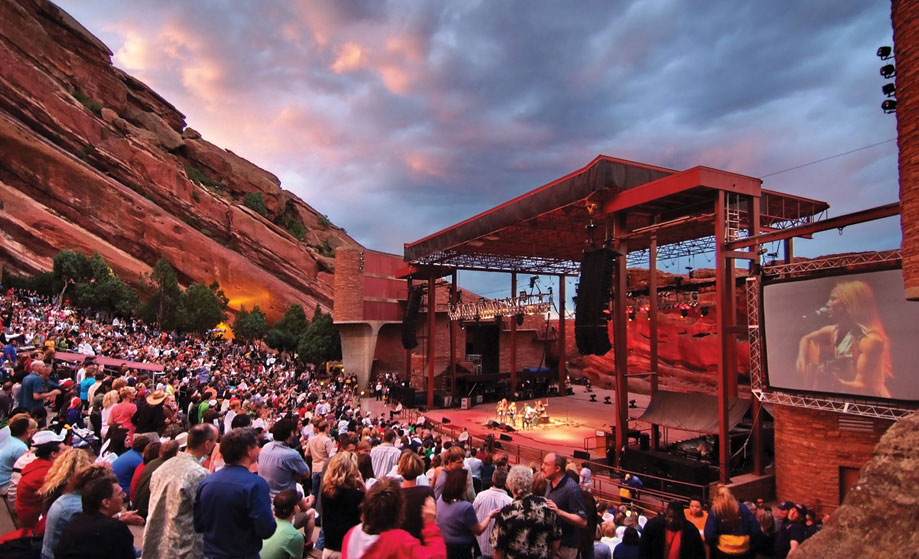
x=400 y=118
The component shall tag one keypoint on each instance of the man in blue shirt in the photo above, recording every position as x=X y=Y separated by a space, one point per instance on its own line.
x=9 y=354
x=565 y=499
x=232 y=507
x=124 y=465
x=32 y=394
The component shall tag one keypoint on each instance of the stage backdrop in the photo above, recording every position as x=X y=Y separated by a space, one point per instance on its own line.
x=851 y=334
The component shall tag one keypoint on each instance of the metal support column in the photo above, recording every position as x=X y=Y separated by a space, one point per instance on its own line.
x=652 y=310
x=513 y=336
x=407 y=370
x=432 y=315
x=562 y=347
x=452 y=334
x=725 y=338
x=758 y=451
x=620 y=343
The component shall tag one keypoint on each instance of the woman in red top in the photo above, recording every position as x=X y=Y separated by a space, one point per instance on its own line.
x=123 y=412
x=379 y=535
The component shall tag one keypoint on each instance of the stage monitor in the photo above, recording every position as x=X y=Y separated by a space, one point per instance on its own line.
x=852 y=334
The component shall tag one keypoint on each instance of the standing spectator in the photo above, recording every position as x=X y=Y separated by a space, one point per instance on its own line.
x=150 y=419
x=286 y=542
x=528 y=527
x=793 y=533
x=378 y=535
x=341 y=497
x=122 y=413
x=456 y=517
x=47 y=448
x=320 y=448
x=93 y=532
x=586 y=476
x=89 y=379
x=364 y=462
x=670 y=536
x=170 y=528
x=235 y=404
x=385 y=456
x=565 y=499
x=493 y=498
x=232 y=506
x=696 y=514
x=32 y=394
x=278 y=463
x=151 y=452
x=411 y=466
x=731 y=529
x=628 y=548
x=453 y=460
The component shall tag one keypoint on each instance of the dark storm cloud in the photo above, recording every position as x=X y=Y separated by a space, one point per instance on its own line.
x=401 y=118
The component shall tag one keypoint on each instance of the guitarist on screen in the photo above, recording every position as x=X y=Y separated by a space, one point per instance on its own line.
x=854 y=351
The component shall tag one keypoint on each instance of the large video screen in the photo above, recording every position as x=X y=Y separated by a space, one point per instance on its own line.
x=853 y=334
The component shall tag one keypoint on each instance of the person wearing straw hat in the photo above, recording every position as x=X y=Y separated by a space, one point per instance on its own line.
x=150 y=418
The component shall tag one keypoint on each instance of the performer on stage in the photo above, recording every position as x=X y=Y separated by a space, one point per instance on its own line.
x=511 y=414
x=541 y=411
x=529 y=416
x=502 y=409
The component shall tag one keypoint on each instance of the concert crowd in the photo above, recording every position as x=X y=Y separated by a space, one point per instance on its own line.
x=203 y=447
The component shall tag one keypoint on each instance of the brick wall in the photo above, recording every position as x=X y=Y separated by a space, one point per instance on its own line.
x=349 y=286
x=905 y=16
x=810 y=448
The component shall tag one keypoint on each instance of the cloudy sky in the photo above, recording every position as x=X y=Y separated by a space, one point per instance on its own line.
x=400 y=118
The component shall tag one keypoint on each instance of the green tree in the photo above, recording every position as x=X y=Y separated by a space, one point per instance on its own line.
x=321 y=342
x=163 y=293
x=69 y=268
x=201 y=308
x=250 y=325
x=286 y=333
x=256 y=203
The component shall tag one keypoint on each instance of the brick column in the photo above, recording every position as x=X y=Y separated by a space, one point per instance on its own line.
x=348 y=303
x=905 y=16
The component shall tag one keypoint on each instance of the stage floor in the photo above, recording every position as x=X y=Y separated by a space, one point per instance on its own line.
x=572 y=419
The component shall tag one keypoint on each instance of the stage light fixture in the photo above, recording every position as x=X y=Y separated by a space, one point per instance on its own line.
x=889 y=89
x=606 y=400
x=684 y=313
x=889 y=106
x=885 y=52
x=888 y=71
x=633 y=403
x=703 y=311
x=631 y=315
x=519 y=319
x=593 y=397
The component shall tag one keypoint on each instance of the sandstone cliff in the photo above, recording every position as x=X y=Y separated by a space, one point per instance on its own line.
x=94 y=160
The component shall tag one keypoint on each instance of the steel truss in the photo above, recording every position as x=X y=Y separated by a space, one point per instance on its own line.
x=758 y=385
x=797 y=269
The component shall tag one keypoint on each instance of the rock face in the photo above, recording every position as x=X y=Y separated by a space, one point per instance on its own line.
x=94 y=160
x=879 y=516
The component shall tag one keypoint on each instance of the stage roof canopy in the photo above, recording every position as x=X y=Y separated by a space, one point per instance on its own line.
x=546 y=230
x=691 y=411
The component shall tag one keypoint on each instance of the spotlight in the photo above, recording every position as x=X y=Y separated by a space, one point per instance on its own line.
x=533 y=280
x=889 y=89
x=631 y=315
x=633 y=404
x=684 y=313
x=703 y=311
x=606 y=400
x=593 y=397
x=885 y=52
x=519 y=319
x=888 y=71
x=889 y=106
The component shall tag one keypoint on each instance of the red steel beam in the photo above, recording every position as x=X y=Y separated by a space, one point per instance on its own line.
x=853 y=218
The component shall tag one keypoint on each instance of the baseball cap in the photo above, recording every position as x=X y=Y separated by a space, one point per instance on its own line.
x=786 y=505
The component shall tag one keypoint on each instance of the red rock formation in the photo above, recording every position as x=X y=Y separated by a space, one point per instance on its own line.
x=95 y=160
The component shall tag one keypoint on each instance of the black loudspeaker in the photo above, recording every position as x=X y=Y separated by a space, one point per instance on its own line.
x=509 y=429
x=410 y=319
x=445 y=420
x=644 y=441
x=581 y=455
x=493 y=424
x=591 y=309
x=506 y=437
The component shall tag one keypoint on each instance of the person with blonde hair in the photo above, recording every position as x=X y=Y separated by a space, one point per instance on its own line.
x=64 y=469
x=854 y=351
x=731 y=529
x=109 y=399
x=342 y=494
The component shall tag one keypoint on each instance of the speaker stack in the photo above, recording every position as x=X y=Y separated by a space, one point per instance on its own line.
x=591 y=312
x=410 y=319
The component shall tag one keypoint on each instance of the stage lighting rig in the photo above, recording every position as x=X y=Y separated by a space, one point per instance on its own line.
x=888 y=71
x=889 y=89
x=885 y=53
x=889 y=106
